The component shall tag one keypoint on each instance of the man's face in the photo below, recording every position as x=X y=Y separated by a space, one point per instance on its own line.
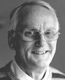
x=36 y=46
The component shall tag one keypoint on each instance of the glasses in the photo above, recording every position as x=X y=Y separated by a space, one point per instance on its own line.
x=31 y=35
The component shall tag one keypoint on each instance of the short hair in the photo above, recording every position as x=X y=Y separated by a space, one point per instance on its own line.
x=14 y=13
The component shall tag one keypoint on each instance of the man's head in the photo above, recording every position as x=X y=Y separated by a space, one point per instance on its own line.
x=33 y=33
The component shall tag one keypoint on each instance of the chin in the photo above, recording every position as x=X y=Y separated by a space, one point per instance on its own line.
x=44 y=63
x=39 y=64
x=34 y=61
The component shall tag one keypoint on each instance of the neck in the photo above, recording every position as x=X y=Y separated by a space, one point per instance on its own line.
x=37 y=73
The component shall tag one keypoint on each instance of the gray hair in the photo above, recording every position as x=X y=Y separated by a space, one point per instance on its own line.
x=14 y=13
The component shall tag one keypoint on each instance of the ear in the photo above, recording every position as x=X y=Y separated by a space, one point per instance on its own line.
x=11 y=39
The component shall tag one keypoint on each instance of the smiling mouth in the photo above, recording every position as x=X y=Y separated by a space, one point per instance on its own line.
x=40 y=52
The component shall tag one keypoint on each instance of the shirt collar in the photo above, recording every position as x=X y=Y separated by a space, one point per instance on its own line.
x=21 y=75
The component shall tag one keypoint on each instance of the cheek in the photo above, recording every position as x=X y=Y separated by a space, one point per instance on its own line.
x=52 y=46
x=25 y=45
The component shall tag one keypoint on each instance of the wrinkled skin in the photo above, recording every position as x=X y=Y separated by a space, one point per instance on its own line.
x=39 y=19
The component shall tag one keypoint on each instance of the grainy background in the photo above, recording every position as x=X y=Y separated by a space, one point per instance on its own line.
x=6 y=6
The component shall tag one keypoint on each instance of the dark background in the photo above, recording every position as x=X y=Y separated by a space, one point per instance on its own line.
x=6 y=6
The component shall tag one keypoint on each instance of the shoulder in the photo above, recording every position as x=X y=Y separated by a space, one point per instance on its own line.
x=3 y=72
x=56 y=74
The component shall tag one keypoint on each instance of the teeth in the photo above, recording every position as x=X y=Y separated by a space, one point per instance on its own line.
x=40 y=52
x=37 y=53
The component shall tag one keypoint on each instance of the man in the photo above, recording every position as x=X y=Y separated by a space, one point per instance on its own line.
x=33 y=34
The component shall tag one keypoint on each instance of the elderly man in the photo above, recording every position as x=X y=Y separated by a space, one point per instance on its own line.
x=33 y=34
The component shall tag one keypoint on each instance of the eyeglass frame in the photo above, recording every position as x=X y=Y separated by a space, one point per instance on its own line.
x=46 y=39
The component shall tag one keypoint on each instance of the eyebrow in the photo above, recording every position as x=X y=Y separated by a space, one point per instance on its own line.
x=51 y=28
x=32 y=29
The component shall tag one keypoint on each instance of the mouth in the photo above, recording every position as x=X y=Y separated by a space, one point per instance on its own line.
x=40 y=52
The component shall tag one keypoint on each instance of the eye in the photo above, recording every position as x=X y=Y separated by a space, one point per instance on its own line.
x=49 y=34
x=31 y=33
x=28 y=33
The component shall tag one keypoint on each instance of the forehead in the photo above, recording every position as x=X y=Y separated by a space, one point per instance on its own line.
x=36 y=17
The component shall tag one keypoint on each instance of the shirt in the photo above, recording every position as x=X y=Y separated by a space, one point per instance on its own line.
x=11 y=71
x=21 y=75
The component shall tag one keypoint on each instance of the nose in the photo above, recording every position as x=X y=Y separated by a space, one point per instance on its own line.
x=40 y=41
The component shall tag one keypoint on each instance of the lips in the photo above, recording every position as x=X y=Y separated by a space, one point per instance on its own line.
x=37 y=52
x=40 y=52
